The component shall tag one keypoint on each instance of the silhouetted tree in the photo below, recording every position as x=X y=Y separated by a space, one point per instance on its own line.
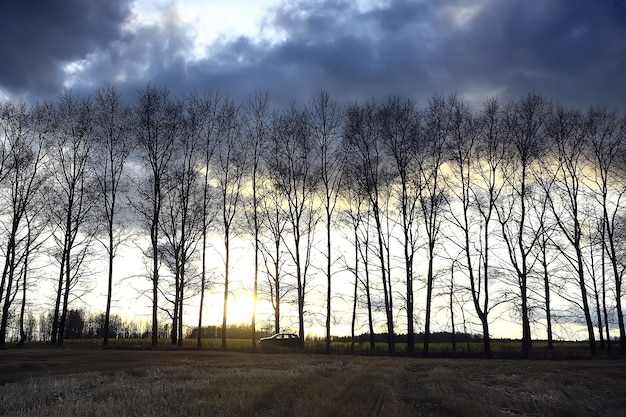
x=525 y=121
x=112 y=149
x=400 y=125
x=207 y=109
x=372 y=176
x=156 y=123
x=431 y=185
x=230 y=167
x=567 y=133
x=325 y=120
x=294 y=174
x=182 y=210
x=356 y=217
x=257 y=131
x=275 y=227
x=24 y=133
x=607 y=139
x=73 y=199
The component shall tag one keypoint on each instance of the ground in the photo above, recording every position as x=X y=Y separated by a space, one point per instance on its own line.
x=78 y=382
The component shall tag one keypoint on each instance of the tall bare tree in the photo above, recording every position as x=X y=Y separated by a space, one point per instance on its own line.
x=183 y=215
x=325 y=119
x=362 y=135
x=112 y=149
x=73 y=199
x=231 y=168
x=525 y=123
x=257 y=131
x=294 y=174
x=356 y=217
x=400 y=124
x=275 y=228
x=24 y=133
x=156 y=124
x=607 y=139
x=546 y=255
x=477 y=152
x=34 y=238
x=207 y=107
x=568 y=138
x=431 y=158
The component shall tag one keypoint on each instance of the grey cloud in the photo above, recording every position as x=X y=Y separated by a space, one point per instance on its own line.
x=37 y=37
x=571 y=50
x=355 y=55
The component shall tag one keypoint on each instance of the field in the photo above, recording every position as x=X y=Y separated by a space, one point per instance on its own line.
x=122 y=382
x=503 y=349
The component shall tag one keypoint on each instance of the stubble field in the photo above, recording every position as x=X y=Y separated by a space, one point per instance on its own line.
x=91 y=382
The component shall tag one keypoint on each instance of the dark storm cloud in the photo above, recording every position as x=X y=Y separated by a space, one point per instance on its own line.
x=37 y=37
x=331 y=45
x=573 y=51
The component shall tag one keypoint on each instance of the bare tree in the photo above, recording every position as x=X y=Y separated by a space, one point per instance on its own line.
x=182 y=220
x=477 y=152
x=400 y=124
x=567 y=132
x=37 y=217
x=607 y=138
x=207 y=109
x=34 y=237
x=325 y=119
x=231 y=167
x=275 y=228
x=14 y=129
x=356 y=217
x=73 y=199
x=112 y=149
x=593 y=233
x=156 y=123
x=472 y=188
x=525 y=121
x=294 y=174
x=257 y=130
x=619 y=237
x=432 y=192
x=546 y=254
x=362 y=134
x=24 y=135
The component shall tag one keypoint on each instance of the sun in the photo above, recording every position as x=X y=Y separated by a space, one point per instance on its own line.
x=240 y=309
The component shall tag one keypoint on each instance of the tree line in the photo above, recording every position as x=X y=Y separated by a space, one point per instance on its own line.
x=83 y=325
x=515 y=204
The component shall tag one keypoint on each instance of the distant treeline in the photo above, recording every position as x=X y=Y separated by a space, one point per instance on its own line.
x=83 y=325
x=233 y=331
x=439 y=337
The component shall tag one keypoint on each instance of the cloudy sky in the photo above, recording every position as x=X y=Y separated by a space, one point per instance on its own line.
x=573 y=51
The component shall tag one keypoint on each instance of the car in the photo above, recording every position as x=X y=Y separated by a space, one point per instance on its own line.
x=289 y=340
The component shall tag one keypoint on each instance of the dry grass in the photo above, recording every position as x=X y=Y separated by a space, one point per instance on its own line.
x=88 y=382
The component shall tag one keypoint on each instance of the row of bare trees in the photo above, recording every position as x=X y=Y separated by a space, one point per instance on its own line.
x=515 y=207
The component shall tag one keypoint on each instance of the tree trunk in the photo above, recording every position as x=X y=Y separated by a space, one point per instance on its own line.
x=226 y=282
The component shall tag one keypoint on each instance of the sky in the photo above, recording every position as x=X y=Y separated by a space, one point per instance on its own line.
x=572 y=51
